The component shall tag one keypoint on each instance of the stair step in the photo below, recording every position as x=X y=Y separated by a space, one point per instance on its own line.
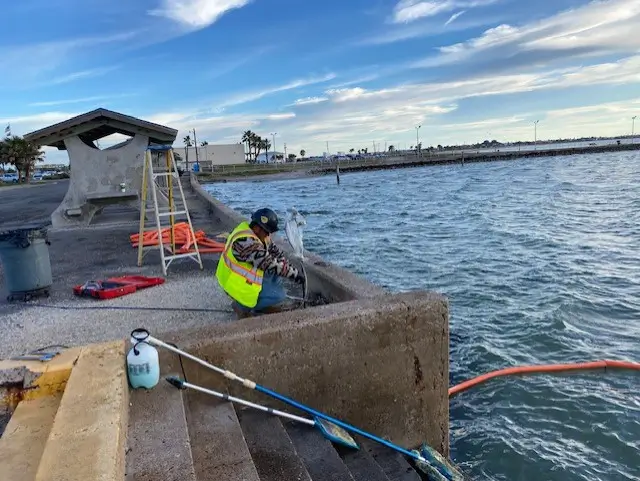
x=361 y=464
x=394 y=464
x=158 y=438
x=218 y=447
x=25 y=436
x=271 y=448
x=318 y=454
x=88 y=436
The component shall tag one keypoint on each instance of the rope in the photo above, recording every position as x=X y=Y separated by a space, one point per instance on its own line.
x=127 y=308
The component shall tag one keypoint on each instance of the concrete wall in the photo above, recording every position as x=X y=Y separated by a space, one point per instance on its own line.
x=97 y=172
x=380 y=364
x=332 y=282
x=214 y=154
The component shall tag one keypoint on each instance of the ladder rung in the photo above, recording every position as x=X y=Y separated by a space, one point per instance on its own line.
x=178 y=256
x=177 y=212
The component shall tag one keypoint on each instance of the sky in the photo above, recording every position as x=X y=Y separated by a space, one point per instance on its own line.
x=350 y=73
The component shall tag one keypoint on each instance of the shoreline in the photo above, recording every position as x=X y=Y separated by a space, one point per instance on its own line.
x=304 y=170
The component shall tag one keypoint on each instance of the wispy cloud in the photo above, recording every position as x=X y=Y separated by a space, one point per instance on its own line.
x=310 y=100
x=258 y=94
x=45 y=58
x=81 y=100
x=407 y=11
x=349 y=115
x=197 y=14
x=598 y=28
x=427 y=28
x=82 y=74
x=453 y=17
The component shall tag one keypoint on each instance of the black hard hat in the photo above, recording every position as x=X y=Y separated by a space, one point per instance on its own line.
x=267 y=219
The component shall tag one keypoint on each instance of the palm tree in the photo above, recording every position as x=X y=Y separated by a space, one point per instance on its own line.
x=263 y=144
x=204 y=143
x=391 y=148
x=247 y=138
x=21 y=154
x=302 y=153
x=187 y=144
x=351 y=151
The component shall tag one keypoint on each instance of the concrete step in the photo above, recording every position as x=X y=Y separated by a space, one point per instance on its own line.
x=158 y=444
x=218 y=447
x=273 y=453
x=394 y=464
x=88 y=436
x=24 y=439
x=317 y=453
x=361 y=464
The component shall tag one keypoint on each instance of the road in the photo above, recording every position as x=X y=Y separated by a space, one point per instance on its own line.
x=31 y=203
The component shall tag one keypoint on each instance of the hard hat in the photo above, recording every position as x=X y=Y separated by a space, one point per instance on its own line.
x=267 y=219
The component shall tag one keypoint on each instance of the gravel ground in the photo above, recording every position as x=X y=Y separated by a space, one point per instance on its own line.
x=97 y=252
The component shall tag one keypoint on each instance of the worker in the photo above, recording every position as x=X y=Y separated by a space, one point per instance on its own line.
x=251 y=267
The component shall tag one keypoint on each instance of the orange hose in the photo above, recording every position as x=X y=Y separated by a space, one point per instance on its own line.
x=184 y=241
x=543 y=368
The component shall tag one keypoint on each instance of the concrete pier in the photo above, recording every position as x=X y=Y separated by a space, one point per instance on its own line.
x=371 y=358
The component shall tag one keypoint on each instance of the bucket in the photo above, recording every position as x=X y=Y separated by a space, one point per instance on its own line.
x=24 y=252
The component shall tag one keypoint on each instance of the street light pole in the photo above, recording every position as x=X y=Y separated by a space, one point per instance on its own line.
x=418 y=139
x=273 y=136
x=195 y=142
x=535 y=134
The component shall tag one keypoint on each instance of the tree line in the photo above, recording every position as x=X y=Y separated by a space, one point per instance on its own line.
x=21 y=154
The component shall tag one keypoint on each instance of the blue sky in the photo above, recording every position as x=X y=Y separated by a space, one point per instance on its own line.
x=349 y=72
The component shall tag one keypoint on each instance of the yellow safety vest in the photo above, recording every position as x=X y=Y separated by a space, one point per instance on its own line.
x=241 y=280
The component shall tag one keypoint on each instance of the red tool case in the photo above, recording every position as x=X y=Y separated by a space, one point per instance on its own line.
x=116 y=286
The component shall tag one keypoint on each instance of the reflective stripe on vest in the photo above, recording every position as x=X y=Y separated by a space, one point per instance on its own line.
x=251 y=275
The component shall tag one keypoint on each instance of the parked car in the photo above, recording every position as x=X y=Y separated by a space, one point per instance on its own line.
x=9 y=178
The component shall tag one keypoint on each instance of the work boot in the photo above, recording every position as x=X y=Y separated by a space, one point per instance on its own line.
x=272 y=309
x=241 y=313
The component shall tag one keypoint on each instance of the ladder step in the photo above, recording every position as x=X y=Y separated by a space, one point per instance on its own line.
x=179 y=256
x=175 y=212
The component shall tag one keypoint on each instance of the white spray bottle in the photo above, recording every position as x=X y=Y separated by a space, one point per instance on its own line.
x=143 y=366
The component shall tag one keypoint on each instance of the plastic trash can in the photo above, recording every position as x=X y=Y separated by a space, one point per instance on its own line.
x=24 y=252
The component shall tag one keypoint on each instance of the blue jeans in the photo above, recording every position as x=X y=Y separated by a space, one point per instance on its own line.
x=272 y=294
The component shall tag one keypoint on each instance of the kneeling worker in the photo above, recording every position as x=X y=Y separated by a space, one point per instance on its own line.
x=251 y=265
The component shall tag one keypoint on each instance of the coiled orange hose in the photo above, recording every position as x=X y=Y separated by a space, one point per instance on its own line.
x=543 y=368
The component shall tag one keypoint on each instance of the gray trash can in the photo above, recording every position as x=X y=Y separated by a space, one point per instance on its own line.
x=24 y=252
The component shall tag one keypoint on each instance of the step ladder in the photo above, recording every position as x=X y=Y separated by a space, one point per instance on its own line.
x=161 y=179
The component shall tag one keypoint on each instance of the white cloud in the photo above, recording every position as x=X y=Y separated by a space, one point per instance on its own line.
x=82 y=74
x=350 y=116
x=197 y=14
x=355 y=116
x=453 y=17
x=81 y=100
x=283 y=116
x=598 y=28
x=44 y=58
x=310 y=100
x=258 y=94
x=407 y=11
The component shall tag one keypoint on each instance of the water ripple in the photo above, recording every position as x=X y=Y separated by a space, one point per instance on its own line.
x=540 y=262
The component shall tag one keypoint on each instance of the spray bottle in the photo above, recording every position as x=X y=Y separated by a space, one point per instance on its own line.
x=143 y=366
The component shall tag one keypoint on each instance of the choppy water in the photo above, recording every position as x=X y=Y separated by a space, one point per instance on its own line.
x=540 y=260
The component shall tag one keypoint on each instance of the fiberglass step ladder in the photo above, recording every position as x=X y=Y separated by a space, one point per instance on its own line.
x=161 y=180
